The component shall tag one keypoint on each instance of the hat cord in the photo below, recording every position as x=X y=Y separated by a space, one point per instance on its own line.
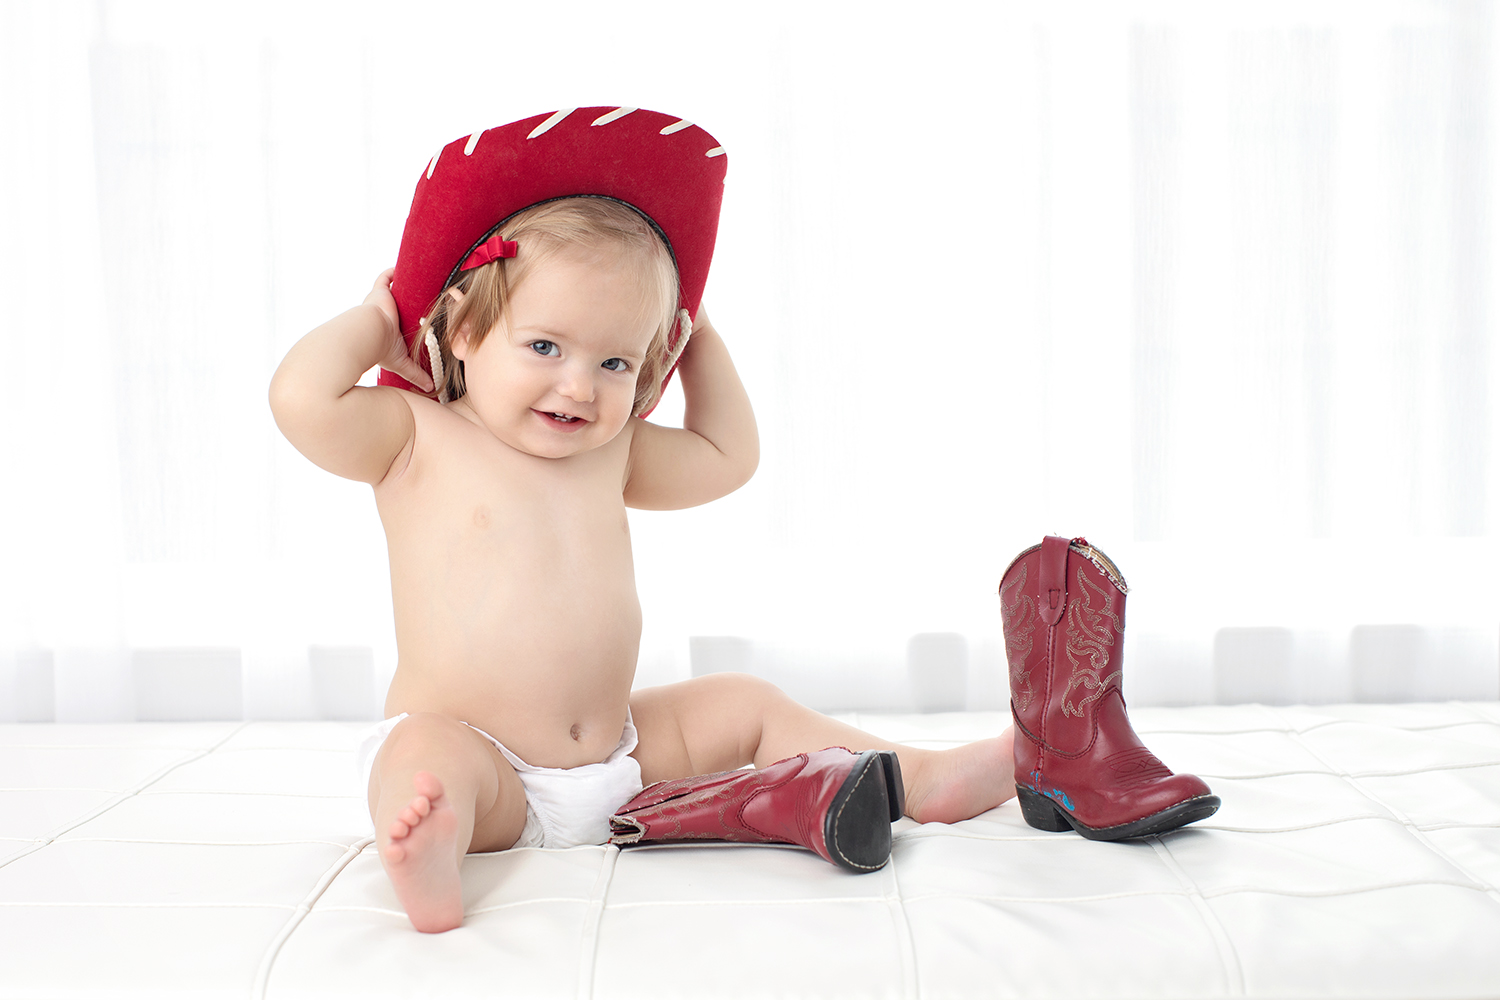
x=685 y=330
x=435 y=360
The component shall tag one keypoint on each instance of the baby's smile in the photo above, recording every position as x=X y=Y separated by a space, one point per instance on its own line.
x=561 y=421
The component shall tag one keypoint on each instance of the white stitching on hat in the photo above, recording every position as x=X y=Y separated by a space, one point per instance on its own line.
x=613 y=116
x=556 y=117
x=716 y=151
x=473 y=141
x=432 y=163
x=677 y=126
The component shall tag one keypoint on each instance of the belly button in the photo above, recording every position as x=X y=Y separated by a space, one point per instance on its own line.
x=481 y=516
x=576 y=731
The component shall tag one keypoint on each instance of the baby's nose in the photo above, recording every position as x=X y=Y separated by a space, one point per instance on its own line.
x=577 y=385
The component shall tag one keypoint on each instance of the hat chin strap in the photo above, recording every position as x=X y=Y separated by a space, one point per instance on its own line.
x=435 y=360
x=685 y=330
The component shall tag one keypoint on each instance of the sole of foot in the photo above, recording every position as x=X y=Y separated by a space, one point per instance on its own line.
x=421 y=860
x=961 y=783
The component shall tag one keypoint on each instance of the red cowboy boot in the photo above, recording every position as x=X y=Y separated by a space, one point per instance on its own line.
x=1079 y=763
x=834 y=802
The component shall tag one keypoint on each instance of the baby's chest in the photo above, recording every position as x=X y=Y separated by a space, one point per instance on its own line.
x=488 y=512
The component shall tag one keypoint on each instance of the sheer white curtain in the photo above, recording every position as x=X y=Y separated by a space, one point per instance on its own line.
x=1210 y=286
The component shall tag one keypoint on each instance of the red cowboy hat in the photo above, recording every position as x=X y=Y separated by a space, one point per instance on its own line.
x=664 y=167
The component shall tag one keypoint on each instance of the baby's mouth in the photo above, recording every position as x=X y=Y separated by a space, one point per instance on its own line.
x=561 y=418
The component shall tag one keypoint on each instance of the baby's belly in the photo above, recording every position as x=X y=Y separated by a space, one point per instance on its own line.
x=545 y=670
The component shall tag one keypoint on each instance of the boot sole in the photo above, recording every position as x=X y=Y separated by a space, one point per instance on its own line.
x=857 y=828
x=1044 y=814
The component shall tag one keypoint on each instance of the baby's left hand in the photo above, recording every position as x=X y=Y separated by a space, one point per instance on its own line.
x=381 y=298
x=398 y=357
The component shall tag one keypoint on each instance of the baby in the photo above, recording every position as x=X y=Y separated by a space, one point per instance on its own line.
x=511 y=720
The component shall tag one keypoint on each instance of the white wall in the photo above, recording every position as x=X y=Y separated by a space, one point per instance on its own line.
x=1209 y=284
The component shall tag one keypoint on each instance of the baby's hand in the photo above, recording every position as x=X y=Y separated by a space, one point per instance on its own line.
x=397 y=359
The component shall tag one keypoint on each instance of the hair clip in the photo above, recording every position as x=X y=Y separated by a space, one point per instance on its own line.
x=489 y=250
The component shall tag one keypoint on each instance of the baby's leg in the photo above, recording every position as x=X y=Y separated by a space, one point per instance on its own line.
x=438 y=791
x=725 y=721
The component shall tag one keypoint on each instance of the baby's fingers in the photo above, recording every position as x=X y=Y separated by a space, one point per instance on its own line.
x=413 y=373
x=411 y=370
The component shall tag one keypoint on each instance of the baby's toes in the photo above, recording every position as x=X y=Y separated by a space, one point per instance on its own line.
x=399 y=829
x=425 y=783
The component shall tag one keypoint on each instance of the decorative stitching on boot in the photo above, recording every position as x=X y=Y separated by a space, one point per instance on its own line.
x=1136 y=766
x=1019 y=620
x=1089 y=638
x=1044 y=748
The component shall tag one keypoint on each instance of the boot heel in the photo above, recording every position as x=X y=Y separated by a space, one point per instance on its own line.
x=1041 y=813
x=895 y=792
x=857 y=827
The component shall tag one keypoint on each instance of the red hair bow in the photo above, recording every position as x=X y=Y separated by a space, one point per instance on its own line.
x=491 y=249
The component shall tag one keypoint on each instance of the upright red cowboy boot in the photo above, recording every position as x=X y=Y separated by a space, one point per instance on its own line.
x=1079 y=763
x=834 y=802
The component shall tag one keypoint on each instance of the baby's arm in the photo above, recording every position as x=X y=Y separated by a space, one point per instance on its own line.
x=717 y=449
x=353 y=431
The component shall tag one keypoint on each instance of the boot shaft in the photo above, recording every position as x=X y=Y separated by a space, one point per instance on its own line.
x=1062 y=605
x=836 y=803
x=709 y=807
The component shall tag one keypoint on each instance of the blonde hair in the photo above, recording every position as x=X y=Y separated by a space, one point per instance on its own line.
x=591 y=224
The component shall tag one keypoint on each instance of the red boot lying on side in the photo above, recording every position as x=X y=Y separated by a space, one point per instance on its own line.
x=834 y=802
x=1079 y=763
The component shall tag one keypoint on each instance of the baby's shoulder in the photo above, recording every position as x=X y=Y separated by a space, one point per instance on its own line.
x=436 y=430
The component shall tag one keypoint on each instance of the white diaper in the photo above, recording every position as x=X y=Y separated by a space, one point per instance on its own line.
x=565 y=806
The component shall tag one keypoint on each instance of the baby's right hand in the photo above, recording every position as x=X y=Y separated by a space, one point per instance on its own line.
x=397 y=358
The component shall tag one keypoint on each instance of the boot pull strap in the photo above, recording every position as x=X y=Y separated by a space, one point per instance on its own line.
x=1052 y=581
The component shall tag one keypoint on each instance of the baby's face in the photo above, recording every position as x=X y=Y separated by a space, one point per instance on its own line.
x=557 y=376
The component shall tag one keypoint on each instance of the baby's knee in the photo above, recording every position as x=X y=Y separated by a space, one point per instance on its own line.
x=422 y=733
x=745 y=689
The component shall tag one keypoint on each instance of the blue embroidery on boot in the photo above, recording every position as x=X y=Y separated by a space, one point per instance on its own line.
x=1056 y=795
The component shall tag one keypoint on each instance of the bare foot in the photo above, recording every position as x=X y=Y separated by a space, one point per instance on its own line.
x=420 y=855
x=963 y=782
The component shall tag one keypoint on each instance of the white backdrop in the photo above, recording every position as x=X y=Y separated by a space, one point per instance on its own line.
x=1210 y=286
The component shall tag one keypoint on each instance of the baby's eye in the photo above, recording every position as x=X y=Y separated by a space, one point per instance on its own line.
x=546 y=348
x=616 y=365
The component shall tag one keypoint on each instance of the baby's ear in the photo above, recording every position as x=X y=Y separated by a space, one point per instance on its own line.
x=458 y=340
x=458 y=343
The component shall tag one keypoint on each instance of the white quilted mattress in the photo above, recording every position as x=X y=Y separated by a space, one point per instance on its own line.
x=1357 y=854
